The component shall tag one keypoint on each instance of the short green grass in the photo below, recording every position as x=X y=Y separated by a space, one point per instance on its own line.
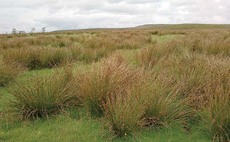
x=163 y=38
x=4 y=97
x=63 y=128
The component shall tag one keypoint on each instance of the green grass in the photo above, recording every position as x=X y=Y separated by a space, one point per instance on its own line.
x=64 y=128
x=4 y=97
x=163 y=38
x=77 y=127
x=170 y=134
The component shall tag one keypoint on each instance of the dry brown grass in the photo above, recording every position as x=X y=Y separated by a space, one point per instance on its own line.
x=9 y=72
x=104 y=80
x=44 y=96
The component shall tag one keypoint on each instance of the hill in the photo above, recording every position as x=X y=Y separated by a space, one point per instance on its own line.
x=160 y=27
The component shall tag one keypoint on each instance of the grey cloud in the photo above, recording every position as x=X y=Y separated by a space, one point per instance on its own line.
x=26 y=3
x=67 y=14
x=134 y=1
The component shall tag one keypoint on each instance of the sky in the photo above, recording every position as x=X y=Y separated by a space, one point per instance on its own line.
x=80 y=14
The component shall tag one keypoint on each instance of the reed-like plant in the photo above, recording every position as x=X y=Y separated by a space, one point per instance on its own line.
x=163 y=105
x=104 y=80
x=50 y=57
x=36 y=58
x=215 y=114
x=27 y=57
x=124 y=111
x=8 y=72
x=44 y=96
x=151 y=55
x=215 y=117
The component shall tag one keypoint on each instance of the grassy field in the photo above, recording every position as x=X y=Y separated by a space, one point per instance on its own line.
x=150 y=83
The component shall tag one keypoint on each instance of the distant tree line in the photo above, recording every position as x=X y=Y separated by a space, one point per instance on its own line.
x=15 y=31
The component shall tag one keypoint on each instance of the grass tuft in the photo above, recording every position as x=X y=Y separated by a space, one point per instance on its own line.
x=8 y=72
x=105 y=80
x=44 y=96
x=124 y=111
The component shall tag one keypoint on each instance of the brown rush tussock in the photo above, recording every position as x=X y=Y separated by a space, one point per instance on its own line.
x=44 y=96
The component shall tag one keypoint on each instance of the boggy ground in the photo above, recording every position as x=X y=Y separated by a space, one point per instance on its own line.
x=116 y=85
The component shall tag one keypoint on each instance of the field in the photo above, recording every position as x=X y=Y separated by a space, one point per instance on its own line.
x=149 y=83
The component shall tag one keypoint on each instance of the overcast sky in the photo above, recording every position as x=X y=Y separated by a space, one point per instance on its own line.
x=78 y=14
